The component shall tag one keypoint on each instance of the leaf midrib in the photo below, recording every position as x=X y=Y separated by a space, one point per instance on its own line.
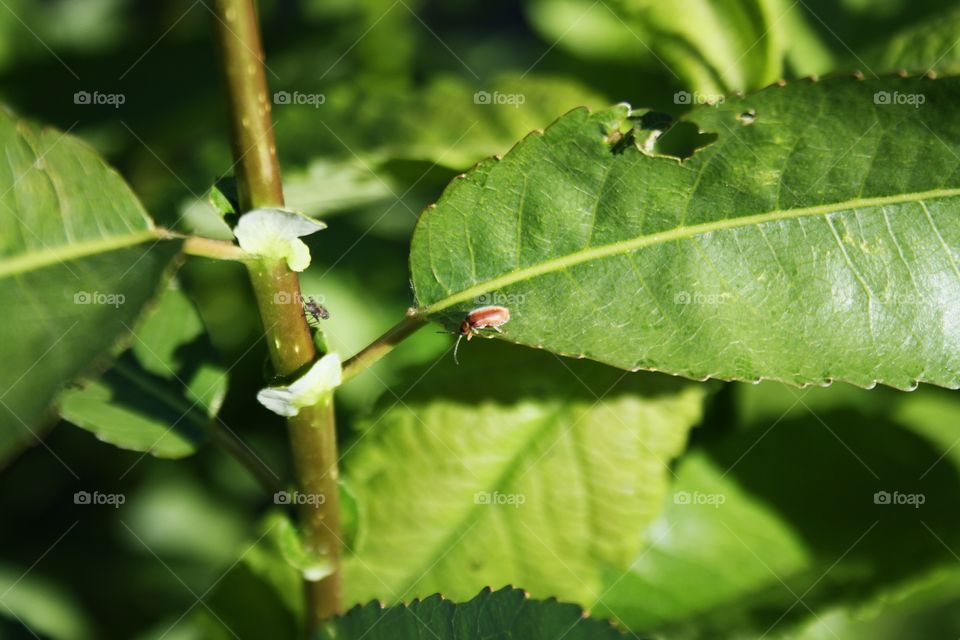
x=57 y=255
x=548 y=421
x=678 y=233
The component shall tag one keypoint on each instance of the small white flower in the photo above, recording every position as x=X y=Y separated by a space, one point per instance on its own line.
x=305 y=391
x=276 y=233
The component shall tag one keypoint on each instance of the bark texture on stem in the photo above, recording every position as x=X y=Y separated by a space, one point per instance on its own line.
x=254 y=147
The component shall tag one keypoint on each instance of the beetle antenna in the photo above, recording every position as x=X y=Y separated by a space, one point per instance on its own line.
x=455 y=347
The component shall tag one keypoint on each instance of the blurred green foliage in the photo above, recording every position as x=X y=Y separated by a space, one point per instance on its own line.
x=798 y=548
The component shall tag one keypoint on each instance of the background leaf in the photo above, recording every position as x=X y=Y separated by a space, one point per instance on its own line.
x=450 y=122
x=79 y=258
x=36 y=606
x=162 y=396
x=810 y=237
x=925 y=608
x=709 y=46
x=547 y=479
x=756 y=538
x=928 y=46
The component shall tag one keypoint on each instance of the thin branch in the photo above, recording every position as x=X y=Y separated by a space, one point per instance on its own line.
x=383 y=345
x=216 y=249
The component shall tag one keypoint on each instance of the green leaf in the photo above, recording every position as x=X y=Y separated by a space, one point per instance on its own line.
x=310 y=566
x=261 y=592
x=815 y=240
x=850 y=28
x=243 y=602
x=223 y=197
x=925 y=608
x=807 y=52
x=449 y=122
x=545 y=480
x=269 y=575
x=160 y=397
x=79 y=258
x=733 y=551
x=928 y=46
x=41 y=607
x=325 y=187
x=712 y=46
x=368 y=143
x=456 y=125
x=507 y=613
x=178 y=516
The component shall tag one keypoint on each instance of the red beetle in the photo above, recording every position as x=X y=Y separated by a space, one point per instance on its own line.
x=492 y=317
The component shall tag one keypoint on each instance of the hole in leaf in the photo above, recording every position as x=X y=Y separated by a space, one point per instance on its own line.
x=645 y=129
x=748 y=117
x=682 y=140
x=655 y=120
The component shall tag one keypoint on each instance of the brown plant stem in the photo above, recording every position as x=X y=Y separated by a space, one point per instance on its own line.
x=277 y=290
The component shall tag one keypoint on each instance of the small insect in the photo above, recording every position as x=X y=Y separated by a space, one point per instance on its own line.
x=491 y=317
x=315 y=310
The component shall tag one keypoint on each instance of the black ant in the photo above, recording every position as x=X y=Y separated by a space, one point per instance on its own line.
x=315 y=310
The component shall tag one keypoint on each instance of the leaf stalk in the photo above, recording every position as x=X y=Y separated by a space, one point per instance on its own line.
x=383 y=345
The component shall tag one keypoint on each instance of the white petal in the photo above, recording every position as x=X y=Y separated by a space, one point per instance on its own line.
x=275 y=233
x=324 y=376
x=279 y=400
